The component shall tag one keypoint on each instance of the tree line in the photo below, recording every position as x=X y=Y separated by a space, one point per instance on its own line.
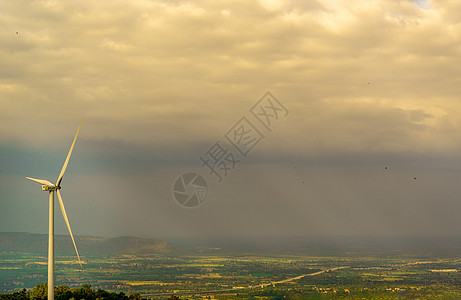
x=63 y=292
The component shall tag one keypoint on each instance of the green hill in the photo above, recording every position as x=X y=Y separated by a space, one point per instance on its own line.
x=87 y=245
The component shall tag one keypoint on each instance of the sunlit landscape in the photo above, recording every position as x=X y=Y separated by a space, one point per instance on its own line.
x=345 y=271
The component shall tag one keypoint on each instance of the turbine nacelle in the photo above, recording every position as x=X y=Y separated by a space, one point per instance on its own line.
x=50 y=187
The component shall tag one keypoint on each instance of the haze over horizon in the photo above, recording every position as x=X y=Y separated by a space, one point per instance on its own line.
x=371 y=144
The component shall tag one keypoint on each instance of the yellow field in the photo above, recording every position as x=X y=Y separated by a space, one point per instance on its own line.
x=148 y=282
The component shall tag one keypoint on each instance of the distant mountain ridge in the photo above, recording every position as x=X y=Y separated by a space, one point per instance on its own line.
x=87 y=245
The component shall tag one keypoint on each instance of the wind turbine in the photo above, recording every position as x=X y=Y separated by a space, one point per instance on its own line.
x=52 y=188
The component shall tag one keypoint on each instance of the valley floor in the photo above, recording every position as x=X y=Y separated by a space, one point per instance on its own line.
x=237 y=275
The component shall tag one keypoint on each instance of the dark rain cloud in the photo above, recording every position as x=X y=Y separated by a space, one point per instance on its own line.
x=368 y=84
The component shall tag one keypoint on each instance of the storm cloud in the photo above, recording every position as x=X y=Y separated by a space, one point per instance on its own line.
x=370 y=146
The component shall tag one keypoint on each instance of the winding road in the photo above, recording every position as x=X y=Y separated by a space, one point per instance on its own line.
x=245 y=287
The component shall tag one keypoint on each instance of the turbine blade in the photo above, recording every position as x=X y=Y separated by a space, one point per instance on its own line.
x=68 y=157
x=41 y=181
x=63 y=210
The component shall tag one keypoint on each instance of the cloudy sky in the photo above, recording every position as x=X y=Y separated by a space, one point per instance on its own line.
x=371 y=144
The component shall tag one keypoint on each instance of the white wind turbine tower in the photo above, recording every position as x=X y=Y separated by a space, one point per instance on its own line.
x=51 y=188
